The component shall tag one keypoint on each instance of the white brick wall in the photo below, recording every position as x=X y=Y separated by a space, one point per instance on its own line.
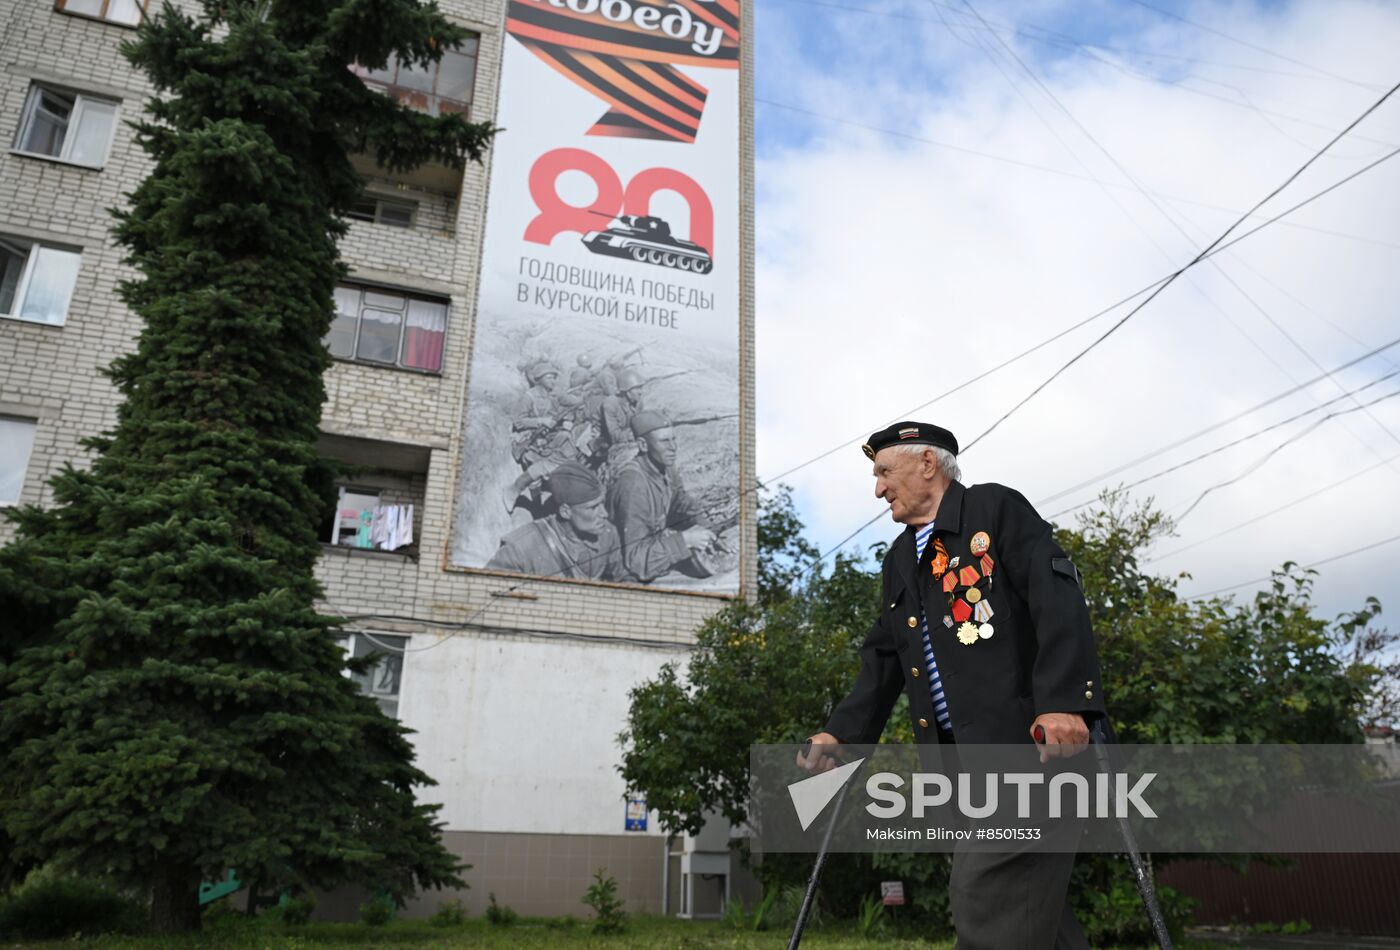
x=52 y=373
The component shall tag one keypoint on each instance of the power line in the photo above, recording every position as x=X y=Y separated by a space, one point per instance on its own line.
x=1215 y=426
x=1327 y=560
x=1086 y=49
x=1060 y=172
x=1279 y=448
x=1241 y=440
x=1257 y=48
x=1286 y=506
x=1195 y=260
x=1109 y=309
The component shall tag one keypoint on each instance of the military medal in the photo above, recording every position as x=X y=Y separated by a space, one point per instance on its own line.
x=968 y=634
x=981 y=541
x=982 y=612
x=969 y=576
x=973 y=595
x=961 y=611
x=940 y=558
x=987 y=564
x=950 y=580
x=948 y=621
x=953 y=563
x=985 y=631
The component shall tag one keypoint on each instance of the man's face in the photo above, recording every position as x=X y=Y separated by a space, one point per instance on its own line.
x=548 y=381
x=901 y=479
x=661 y=446
x=587 y=518
x=633 y=395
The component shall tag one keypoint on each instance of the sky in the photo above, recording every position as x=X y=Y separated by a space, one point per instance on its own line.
x=942 y=186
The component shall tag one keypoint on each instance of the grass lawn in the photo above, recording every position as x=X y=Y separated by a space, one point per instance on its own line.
x=526 y=934
x=643 y=933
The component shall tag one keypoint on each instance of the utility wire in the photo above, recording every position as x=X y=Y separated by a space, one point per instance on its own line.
x=1280 y=447
x=1215 y=426
x=1087 y=49
x=1218 y=245
x=1327 y=560
x=1244 y=438
x=1257 y=48
x=1109 y=309
x=1124 y=171
x=1062 y=173
x=1200 y=256
x=1286 y=506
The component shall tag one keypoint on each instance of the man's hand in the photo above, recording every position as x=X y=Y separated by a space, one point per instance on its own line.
x=820 y=755
x=698 y=537
x=1060 y=735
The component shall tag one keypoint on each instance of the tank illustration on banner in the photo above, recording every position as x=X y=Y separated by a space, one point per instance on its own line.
x=648 y=240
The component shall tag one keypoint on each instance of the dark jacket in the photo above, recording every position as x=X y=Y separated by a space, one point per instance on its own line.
x=1040 y=658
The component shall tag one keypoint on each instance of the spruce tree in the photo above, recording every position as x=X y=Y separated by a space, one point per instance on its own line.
x=171 y=703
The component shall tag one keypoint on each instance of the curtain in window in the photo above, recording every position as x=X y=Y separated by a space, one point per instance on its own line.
x=423 y=339
x=92 y=131
x=50 y=285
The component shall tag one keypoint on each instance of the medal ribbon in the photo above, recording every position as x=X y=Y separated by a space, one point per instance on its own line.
x=629 y=68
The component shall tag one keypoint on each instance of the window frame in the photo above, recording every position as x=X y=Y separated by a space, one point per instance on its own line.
x=348 y=642
x=409 y=296
x=26 y=276
x=144 y=6
x=392 y=88
x=29 y=457
x=80 y=99
x=379 y=202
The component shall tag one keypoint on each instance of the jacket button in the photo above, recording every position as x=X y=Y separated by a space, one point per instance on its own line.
x=1089 y=683
x=1088 y=694
x=923 y=723
x=913 y=621
x=914 y=670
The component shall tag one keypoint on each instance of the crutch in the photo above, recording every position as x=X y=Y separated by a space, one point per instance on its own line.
x=1144 y=880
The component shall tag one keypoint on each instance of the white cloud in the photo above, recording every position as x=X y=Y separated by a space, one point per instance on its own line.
x=890 y=270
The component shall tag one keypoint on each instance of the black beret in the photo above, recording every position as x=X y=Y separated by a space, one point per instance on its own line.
x=911 y=433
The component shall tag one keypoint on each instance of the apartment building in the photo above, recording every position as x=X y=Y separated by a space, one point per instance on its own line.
x=515 y=679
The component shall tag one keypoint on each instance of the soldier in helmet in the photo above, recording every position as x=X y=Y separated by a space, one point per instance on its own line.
x=581 y=379
x=658 y=521
x=539 y=431
x=575 y=541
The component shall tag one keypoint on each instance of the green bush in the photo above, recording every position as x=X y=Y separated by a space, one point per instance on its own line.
x=47 y=907
x=1113 y=913
x=449 y=914
x=498 y=915
x=608 y=915
x=379 y=911
x=296 y=910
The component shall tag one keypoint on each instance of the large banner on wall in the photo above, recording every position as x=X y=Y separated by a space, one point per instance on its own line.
x=602 y=422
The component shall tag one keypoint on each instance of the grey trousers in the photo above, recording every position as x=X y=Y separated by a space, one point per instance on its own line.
x=1015 y=900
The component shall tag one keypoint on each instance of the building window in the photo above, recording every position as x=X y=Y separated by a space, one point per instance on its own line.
x=36 y=281
x=363 y=520
x=376 y=210
x=16 y=442
x=440 y=88
x=67 y=125
x=383 y=679
x=376 y=325
x=125 y=12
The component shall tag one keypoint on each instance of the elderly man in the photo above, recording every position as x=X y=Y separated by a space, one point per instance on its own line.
x=576 y=541
x=984 y=625
x=658 y=521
